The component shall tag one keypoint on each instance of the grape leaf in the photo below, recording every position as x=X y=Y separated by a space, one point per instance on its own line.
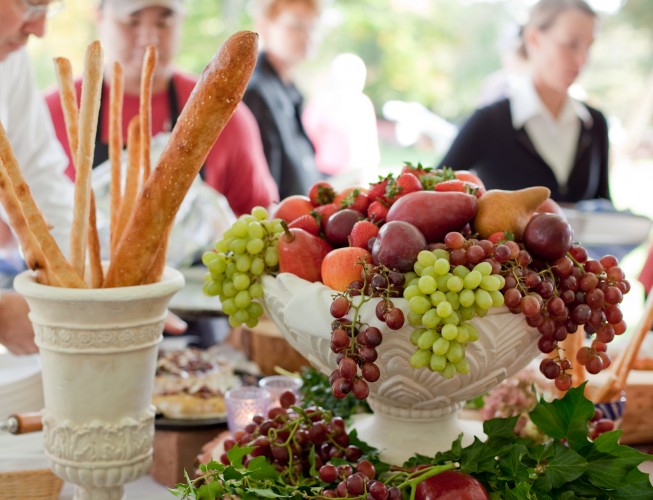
x=512 y=466
x=500 y=427
x=259 y=468
x=565 y=418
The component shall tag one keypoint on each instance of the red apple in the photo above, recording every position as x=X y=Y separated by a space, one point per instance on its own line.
x=451 y=485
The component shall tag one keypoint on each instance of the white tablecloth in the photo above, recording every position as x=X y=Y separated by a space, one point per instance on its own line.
x=25 y=452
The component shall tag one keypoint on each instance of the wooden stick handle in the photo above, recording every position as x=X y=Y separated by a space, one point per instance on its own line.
x=22 y=423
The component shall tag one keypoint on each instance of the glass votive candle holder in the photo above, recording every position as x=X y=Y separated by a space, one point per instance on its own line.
x=243 y=403
x=278 y=384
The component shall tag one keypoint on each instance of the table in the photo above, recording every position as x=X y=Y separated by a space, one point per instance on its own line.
x=25 y=452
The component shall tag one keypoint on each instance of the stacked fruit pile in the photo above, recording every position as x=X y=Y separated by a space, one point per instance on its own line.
x=440 y=241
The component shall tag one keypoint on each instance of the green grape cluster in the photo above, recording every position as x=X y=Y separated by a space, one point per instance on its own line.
x=247 y=251
x=442 y=299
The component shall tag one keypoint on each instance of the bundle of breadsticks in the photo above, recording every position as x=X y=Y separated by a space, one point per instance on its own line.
x=143 y=214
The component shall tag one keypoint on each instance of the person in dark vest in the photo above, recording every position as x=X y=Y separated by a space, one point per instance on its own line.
x=540 y=134
x=287 y=29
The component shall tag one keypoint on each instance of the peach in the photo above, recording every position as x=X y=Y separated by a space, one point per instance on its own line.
x=343 y=265
x=292 y=207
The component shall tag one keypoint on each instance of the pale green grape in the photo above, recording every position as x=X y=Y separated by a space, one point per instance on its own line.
x=415 y=334
x=239 y=228
x=255 y=231
x=454 y=299
x=271 y=257
x=228 y=289
x=229 y=306
x=418 y=267
x=430 y=319
x=438 y=297
x=444 y=309
x=440 y=346
x=441 y=266
x=241 y=281
x=420 y=358
x=485 y=268
x=419 y=304
x=257 y=267
x=497 y=298
x=462 y=366
x=256 y=290
x=490 y=283
x=255 y=309
x=241 y=316
x=452 y=319
x=426 y=339
x=427 y=284
x=429 y=271
x=426 y=258
x=412 y=291
x=472 y=280
x=260 y=213
x=413 y=318
x=243 y=299
x=455 y=283
x=460 y=271
x=456 y=352
x=255 y=246
x=449 y=371
x=243 y=263
x=449 y=332
x=437 y=363
x=211 y=288
x=441 y=253
x=483 y=299
x=466 y=297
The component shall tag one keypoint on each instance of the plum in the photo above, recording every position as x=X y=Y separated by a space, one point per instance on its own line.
x=548 y=236
x=397 y=245
x=434 y=213
x=339 y=226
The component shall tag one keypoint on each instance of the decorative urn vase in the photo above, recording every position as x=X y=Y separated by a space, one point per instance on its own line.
x=414 y=411
x=98 y=354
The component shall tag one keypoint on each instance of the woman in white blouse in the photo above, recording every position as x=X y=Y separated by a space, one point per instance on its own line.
x=540 y=134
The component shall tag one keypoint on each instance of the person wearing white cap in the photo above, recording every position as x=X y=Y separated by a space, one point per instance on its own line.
x=236 y=166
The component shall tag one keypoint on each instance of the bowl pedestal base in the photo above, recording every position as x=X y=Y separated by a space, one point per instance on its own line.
x=398 y=438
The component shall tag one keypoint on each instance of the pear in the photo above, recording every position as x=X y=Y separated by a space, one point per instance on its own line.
x=508 y=211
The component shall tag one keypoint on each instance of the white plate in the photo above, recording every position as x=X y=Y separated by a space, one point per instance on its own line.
x=608 y=228
x=21 y=386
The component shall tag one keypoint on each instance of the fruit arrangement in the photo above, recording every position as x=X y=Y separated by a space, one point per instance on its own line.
x=440 y=241
x=296 y=452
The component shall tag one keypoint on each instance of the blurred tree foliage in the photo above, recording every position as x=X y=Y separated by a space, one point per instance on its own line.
x=436 y=52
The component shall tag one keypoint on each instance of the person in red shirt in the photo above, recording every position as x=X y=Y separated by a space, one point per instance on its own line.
x=236 y=166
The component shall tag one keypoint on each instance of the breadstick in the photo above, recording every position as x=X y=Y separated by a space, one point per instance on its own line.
x=56 y=263
x=131 y=177
x=68 y=97
x=95 y=259
x=88 y=118
x=145 y=108
x=34 y=257
x=115 y=149
x=211 y=104
x=159 y=263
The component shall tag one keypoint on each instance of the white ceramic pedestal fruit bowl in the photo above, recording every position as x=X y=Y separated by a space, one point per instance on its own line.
x=414 y=411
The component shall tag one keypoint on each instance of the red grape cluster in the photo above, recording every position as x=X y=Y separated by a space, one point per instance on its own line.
x=558 y=297
x=360 y=483
x=288 y=436
x=355 y=343
x=555 y=297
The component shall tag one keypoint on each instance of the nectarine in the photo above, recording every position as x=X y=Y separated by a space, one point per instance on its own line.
x=343 y=265
x=293 y=207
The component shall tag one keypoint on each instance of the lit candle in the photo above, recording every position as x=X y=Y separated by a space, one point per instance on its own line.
x=243 y=403
x=278 y=384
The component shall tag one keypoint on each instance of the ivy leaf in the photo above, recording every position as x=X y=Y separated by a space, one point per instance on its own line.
x=512 y=466
x=500 y=427
x=236 y=454
x=264 y=493
x=261 y=469
x=636 y=484
x=565 y=466
x=232 y=474
x=611 y=462
x=522 y=491
x=565 y=418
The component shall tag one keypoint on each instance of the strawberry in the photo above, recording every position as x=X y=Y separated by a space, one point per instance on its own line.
x=377 y=212
x=408 y=183
x=323 y=212
x=377 y=189
x=461 y=186
x=321 y=193
x=416 y=170
x=501 y=237
x=361 y=233
x=308 y=223
x=356 y=199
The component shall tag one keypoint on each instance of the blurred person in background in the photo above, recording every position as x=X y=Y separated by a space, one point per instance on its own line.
x=236 y=165
x=287 y=29
x=540 y=135
x=25 y=119
x=341 y=122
